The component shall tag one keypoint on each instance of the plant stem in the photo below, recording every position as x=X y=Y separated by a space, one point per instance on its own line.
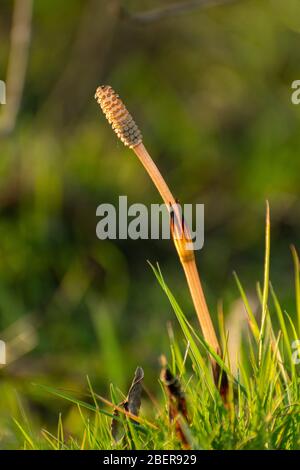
x=187 y=258
x=128 y=132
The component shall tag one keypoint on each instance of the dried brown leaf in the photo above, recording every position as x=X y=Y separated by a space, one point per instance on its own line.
x=131 y=404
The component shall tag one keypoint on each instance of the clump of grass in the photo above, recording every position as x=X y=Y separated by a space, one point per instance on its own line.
x=262 y=408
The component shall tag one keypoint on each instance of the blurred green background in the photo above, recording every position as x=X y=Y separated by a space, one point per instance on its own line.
x=211 y=92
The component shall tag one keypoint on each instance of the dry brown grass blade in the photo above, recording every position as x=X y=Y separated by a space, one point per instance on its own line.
x=178 y=411
x=130 y=407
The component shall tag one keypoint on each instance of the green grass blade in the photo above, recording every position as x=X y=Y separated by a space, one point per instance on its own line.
x=251 y=318
x=297 y=283
x=265 y=295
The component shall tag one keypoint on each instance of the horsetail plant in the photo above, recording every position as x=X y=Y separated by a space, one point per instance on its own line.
x=129 y=133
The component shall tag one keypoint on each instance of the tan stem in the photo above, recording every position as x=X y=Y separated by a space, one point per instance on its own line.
x=187 y=259
x=154 y=174
x=195 y=286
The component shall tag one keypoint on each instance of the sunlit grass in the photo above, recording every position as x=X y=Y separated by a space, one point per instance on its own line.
x=262 y=407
